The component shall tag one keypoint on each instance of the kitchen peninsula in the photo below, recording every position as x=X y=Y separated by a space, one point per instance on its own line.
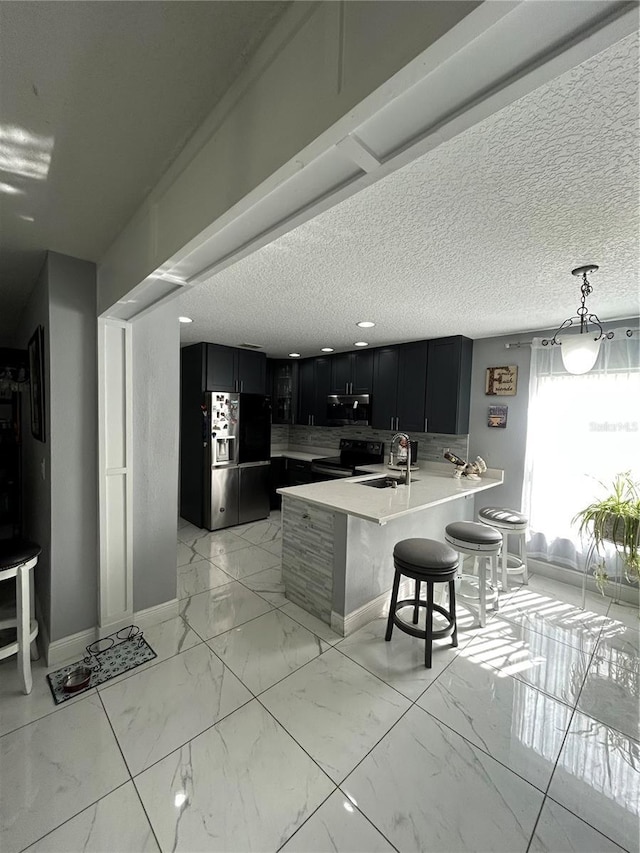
x=338 y=536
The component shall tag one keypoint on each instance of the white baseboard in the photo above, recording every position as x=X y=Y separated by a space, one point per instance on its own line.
x=624 y=592
x=74 y=646
x=154 y=615
x=379 y=606
x=69 y=648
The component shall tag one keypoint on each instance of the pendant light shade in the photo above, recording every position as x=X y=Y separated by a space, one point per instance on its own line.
x=579 y=352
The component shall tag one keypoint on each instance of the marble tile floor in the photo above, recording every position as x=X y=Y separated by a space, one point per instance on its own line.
x=258 y=728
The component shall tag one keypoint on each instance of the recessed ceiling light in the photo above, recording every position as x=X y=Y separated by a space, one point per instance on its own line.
x=294 y=355
x=361 y=344
x=365 y=324
x=326 y=349
x=185 y=319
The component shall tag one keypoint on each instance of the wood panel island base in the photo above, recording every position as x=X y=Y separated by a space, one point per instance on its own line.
x=338 y=537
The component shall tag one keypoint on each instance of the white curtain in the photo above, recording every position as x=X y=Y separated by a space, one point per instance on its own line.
x=582 y=430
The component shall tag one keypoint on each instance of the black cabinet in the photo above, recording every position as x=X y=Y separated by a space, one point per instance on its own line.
x=298 y=472
x=251 y=373
x=352 y=373
x=278 y=473
x=314 y=378
x=221 y=368
x=282 y=381
x=412 y=383
x=230 y=369
x=449 y=385
x=399 y=383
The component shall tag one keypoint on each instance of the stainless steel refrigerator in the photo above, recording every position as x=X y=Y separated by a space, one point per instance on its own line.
x=237 y=451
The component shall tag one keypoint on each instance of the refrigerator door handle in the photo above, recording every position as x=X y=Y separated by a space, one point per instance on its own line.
x=254 y=464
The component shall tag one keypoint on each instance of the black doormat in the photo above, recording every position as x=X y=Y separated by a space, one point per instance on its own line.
x=106 y=658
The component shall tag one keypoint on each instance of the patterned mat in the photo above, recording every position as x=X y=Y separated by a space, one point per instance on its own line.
x=107 y=664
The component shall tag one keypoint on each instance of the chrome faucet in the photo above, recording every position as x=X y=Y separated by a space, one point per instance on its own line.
x=399 y=436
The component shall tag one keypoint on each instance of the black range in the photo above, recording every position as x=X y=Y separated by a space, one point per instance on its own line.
x=354 y=453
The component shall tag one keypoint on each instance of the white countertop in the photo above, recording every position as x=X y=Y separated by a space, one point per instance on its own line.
x=431 y=485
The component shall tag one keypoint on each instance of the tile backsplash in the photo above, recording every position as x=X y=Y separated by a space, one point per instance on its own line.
x=431 y=445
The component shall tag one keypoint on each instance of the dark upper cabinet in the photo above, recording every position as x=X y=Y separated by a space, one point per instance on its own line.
x=351 y=373
x=384 y=397
x=230 y=369
x=252 y=372
x=340 y=373
x=412 y=381
x=449 y=385
x=314 y=380
x=281 y=384
x=221 y=368
x=399 y=380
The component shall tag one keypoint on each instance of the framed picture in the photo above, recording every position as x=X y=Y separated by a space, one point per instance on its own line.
x=36 y=383
x=498 y=416
x=502 y=381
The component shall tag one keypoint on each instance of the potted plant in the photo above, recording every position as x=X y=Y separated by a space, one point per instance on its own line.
x=614 y=519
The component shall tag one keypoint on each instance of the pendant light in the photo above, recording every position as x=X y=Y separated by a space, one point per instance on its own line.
x=580 y=350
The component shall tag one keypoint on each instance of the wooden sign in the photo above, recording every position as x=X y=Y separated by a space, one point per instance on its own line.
x=502 y=381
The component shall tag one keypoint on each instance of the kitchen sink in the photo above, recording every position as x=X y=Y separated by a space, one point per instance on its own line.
x=386 y=482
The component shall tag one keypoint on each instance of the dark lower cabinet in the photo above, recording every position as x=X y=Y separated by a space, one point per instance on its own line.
x=449 y=385
x=298 y=472
x=278 y=474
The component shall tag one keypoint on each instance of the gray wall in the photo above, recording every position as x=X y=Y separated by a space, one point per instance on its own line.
x=505 y=448
x=156 y=412
x=60 y=509
x=36 y=489
x=73 y=405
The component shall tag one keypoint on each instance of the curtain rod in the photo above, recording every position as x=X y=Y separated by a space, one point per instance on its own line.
x=518 y=344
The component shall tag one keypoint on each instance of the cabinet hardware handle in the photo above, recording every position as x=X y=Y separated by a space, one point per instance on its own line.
x=391 y=427
x=398 y=422
x=425 y=424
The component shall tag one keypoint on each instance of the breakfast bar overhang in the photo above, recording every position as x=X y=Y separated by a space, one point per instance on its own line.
x=338 y=537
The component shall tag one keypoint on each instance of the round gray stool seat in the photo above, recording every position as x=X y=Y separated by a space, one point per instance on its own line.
x=473 y=536
x=425 y=561
x=424 y=555
x=509 y=522
x=501 y=517
x=14 y=552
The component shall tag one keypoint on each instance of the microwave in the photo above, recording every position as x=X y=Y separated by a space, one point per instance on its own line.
x=348 y=409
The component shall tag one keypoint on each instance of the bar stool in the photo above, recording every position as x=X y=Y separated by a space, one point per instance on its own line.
x=17 y=558
x=509 y=522
x=482 y=543
x=428 y=561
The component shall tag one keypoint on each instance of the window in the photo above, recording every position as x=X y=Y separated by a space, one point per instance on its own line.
x=582 y=430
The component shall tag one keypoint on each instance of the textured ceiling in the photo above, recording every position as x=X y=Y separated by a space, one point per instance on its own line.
x=97 y=100
x=477 y=238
